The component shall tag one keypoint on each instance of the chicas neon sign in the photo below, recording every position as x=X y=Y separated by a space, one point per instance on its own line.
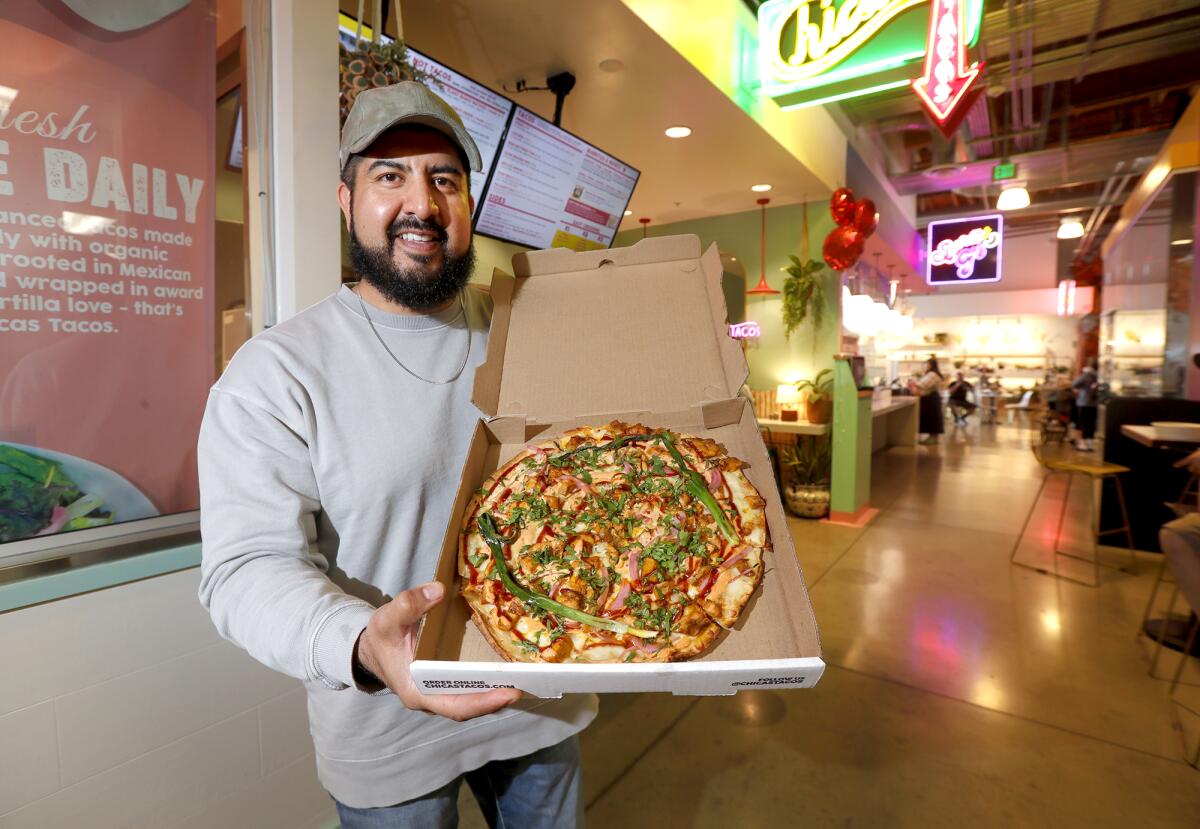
x=964 y=250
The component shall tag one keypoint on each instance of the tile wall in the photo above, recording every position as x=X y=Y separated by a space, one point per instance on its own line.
x=123 y=707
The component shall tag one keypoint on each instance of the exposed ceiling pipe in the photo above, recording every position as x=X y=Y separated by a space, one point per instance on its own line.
x=1014 y=79
x=1101 y=7
x=1047 y=106
x=1027 y=80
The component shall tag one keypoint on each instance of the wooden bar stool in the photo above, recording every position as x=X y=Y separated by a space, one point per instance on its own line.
x=1093 y=471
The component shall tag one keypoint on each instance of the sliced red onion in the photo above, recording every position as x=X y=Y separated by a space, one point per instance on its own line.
x=580 y=484
x=622 y=594
x=558 y=585
x=635 y=565
x=648 y=648
x=738 y=554
x=628 y=468
x=715 y=478
x=58 y=519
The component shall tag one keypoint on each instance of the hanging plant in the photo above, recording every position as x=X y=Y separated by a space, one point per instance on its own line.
x=373 y=63
x=803 y=294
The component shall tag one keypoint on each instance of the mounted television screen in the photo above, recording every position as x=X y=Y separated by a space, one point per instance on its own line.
x=552 y=189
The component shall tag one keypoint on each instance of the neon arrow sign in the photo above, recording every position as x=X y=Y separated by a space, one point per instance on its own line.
x=945 y=87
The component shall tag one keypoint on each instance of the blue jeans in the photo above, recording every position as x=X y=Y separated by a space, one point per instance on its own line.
x=538 y=791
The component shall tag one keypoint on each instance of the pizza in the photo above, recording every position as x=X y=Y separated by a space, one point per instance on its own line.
x=615 y=543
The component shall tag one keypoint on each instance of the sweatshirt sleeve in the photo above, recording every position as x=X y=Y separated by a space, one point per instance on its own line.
x=262 y=578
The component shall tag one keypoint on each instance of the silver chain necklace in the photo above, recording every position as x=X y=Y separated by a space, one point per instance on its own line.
x=396 y=359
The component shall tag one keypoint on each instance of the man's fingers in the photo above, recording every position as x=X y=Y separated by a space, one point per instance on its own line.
x=408 y=607
x=469 y=706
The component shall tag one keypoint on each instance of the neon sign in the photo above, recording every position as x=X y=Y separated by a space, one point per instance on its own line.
x=817 y=51
x=945 y=87
x=745 y=331
x=964 y=250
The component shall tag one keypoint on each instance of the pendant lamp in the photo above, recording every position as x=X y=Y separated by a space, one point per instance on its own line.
x=762 y=288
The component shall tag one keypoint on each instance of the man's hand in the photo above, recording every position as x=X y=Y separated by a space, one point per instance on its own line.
x=385 y=648
x=1192 y=462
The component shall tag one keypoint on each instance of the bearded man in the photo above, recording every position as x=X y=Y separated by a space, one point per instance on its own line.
x=329 y=459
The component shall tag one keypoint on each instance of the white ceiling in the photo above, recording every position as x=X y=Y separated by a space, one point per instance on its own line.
x=625 y=112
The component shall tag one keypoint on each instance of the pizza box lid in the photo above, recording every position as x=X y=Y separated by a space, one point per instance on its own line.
x=597 y=332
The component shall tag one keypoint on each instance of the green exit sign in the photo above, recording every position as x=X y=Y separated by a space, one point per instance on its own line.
x=1003 y=172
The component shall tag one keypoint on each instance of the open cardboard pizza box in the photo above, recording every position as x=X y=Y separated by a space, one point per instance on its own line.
x=637 y=334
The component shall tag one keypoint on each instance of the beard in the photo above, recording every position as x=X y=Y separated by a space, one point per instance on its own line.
x=412 y=287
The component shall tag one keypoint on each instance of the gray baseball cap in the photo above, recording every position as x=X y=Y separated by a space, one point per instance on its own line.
x=409 y=102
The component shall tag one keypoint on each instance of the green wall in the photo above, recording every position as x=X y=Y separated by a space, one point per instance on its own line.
x=773 y=360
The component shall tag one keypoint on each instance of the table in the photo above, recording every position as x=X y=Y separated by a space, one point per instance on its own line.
x=1148 y=436
x=987 y=407
x=793 y=427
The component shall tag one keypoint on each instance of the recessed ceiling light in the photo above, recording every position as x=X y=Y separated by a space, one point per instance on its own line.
x=1181 y=242
x=611 y=65
x=761 y=188
x=678 y=132
x=628 y=212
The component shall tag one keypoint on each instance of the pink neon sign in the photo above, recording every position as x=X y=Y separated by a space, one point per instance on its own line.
x=964 y=250
x=745 y=330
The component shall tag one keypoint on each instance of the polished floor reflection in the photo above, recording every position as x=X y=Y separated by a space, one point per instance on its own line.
x=961 y=690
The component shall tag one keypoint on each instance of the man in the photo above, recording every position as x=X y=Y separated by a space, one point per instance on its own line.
x=1087 y=396
x=960 y=392
x=329 y=460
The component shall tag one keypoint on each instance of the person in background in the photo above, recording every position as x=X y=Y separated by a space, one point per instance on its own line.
x=929 y=388
x=1086 y=388
x=329 y=461
x=960 y=391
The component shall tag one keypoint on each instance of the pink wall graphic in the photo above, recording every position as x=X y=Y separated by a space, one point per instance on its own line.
x=106 y=250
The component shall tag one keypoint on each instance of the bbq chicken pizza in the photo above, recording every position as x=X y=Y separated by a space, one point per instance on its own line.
x=617 y=543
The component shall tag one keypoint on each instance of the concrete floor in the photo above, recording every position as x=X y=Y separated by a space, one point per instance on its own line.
x=960 y=690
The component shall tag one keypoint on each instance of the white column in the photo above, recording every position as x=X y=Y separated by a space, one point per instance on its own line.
x=304 y=111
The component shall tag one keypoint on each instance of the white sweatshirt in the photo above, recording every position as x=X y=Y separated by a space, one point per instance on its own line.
x=327 y=475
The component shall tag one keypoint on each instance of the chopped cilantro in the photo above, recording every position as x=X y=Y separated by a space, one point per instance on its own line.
x=668 y=555
x=629 y=656
x=527 y=646
x=543 y=556
x=592 y=578
x=481 y=491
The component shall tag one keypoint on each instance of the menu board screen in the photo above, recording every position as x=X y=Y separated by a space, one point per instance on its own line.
x=551 y=189
x=484 y=113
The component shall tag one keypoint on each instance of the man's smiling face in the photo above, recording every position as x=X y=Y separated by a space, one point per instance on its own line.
x=408 y=210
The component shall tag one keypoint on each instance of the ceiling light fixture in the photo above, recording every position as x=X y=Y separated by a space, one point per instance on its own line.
x=1181 y=242
x=628 y=212
x=760 y=188
x=1013 y=198
x=678 y=132
x=1070 y=228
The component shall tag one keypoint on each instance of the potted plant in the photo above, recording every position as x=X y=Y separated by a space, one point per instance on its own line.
x=803 y=294
x=810 y=460
x=818 y=404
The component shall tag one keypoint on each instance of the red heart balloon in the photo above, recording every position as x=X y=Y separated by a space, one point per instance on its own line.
x=841 y=205
x=864 y=217
x=842 y=248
